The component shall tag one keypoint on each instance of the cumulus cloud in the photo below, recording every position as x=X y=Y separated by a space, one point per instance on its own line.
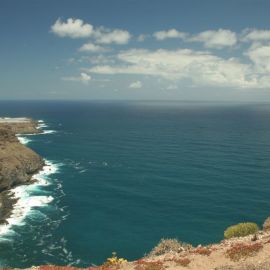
x=257 y=35
x=83 y=78
x=73 y=28
x=136 y=85
x=77 y=28
x=171 y=33
x=116 y=36
x=217 y=39
x=198 y=67
x=260 y=56
x=91 y=47
x=191 y=67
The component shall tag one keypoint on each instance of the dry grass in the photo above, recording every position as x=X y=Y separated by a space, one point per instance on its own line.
x=146 y=265
x=266 y=224
x=243 y=250
x=202 y=251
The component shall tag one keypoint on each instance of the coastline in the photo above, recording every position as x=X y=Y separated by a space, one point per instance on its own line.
x=213 y=256
x=28 y=173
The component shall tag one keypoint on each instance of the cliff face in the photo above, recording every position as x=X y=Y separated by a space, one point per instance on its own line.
x=17 y=163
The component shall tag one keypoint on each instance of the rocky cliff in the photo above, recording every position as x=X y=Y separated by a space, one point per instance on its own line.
x=18 y=163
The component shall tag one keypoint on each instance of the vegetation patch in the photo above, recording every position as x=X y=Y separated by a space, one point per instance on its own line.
x=202 y=251
x=243 y=250
x=112 y=263
x=266 y=224
x=169 y=245
x=182 y=261
x=241 y=229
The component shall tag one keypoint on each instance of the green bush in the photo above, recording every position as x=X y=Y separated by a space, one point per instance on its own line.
x=241 y=229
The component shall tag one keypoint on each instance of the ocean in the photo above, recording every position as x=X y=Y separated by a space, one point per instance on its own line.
x=122 y=175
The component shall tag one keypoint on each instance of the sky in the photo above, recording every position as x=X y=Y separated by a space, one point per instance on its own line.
x=216 y=50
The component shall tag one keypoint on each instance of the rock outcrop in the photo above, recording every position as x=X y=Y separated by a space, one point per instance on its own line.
x=27 y=126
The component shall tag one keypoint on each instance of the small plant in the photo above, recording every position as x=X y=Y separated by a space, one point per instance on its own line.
x=146 y=265
x=241 y=229
x=242 y=250
x=113 y=262
x=169 y=245
x=266 y=224
x=202 y=251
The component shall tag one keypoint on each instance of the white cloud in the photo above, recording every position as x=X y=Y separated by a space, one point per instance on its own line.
x=172 y=33
x=73 y=28
x=198 y=68
x=83 y=78
x=142 y=37
x=76 y=28
x=217 y=39
x=101 y=59
x=260 y=56
x=136 y=85
x=91 y=47
x=117 y=36
x=257 y=35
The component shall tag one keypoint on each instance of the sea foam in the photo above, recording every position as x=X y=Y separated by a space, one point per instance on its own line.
x=23 y=140
x=27 y=195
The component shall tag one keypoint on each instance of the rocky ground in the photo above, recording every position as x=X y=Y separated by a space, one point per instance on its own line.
x=243 y=253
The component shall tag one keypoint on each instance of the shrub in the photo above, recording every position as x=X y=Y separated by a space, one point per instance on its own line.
x=242 y=250
x=114 y=261
x=241 y=229
x=266 y=224
x=169 y=245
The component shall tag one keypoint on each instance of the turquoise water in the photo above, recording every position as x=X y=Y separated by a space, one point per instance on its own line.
x=130 y=173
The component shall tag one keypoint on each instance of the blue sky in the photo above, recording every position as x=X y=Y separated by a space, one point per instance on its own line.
x=135 y=49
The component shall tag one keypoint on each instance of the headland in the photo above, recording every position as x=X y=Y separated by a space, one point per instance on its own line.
x=18 y=163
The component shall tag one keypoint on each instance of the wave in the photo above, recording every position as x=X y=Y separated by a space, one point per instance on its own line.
x=37 y=214
x=27 y=199
x=23 y=140
x=48 y=132
x=41 y=124
x=26 y=202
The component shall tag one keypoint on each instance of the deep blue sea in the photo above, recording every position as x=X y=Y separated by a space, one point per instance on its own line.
x=131 y=173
